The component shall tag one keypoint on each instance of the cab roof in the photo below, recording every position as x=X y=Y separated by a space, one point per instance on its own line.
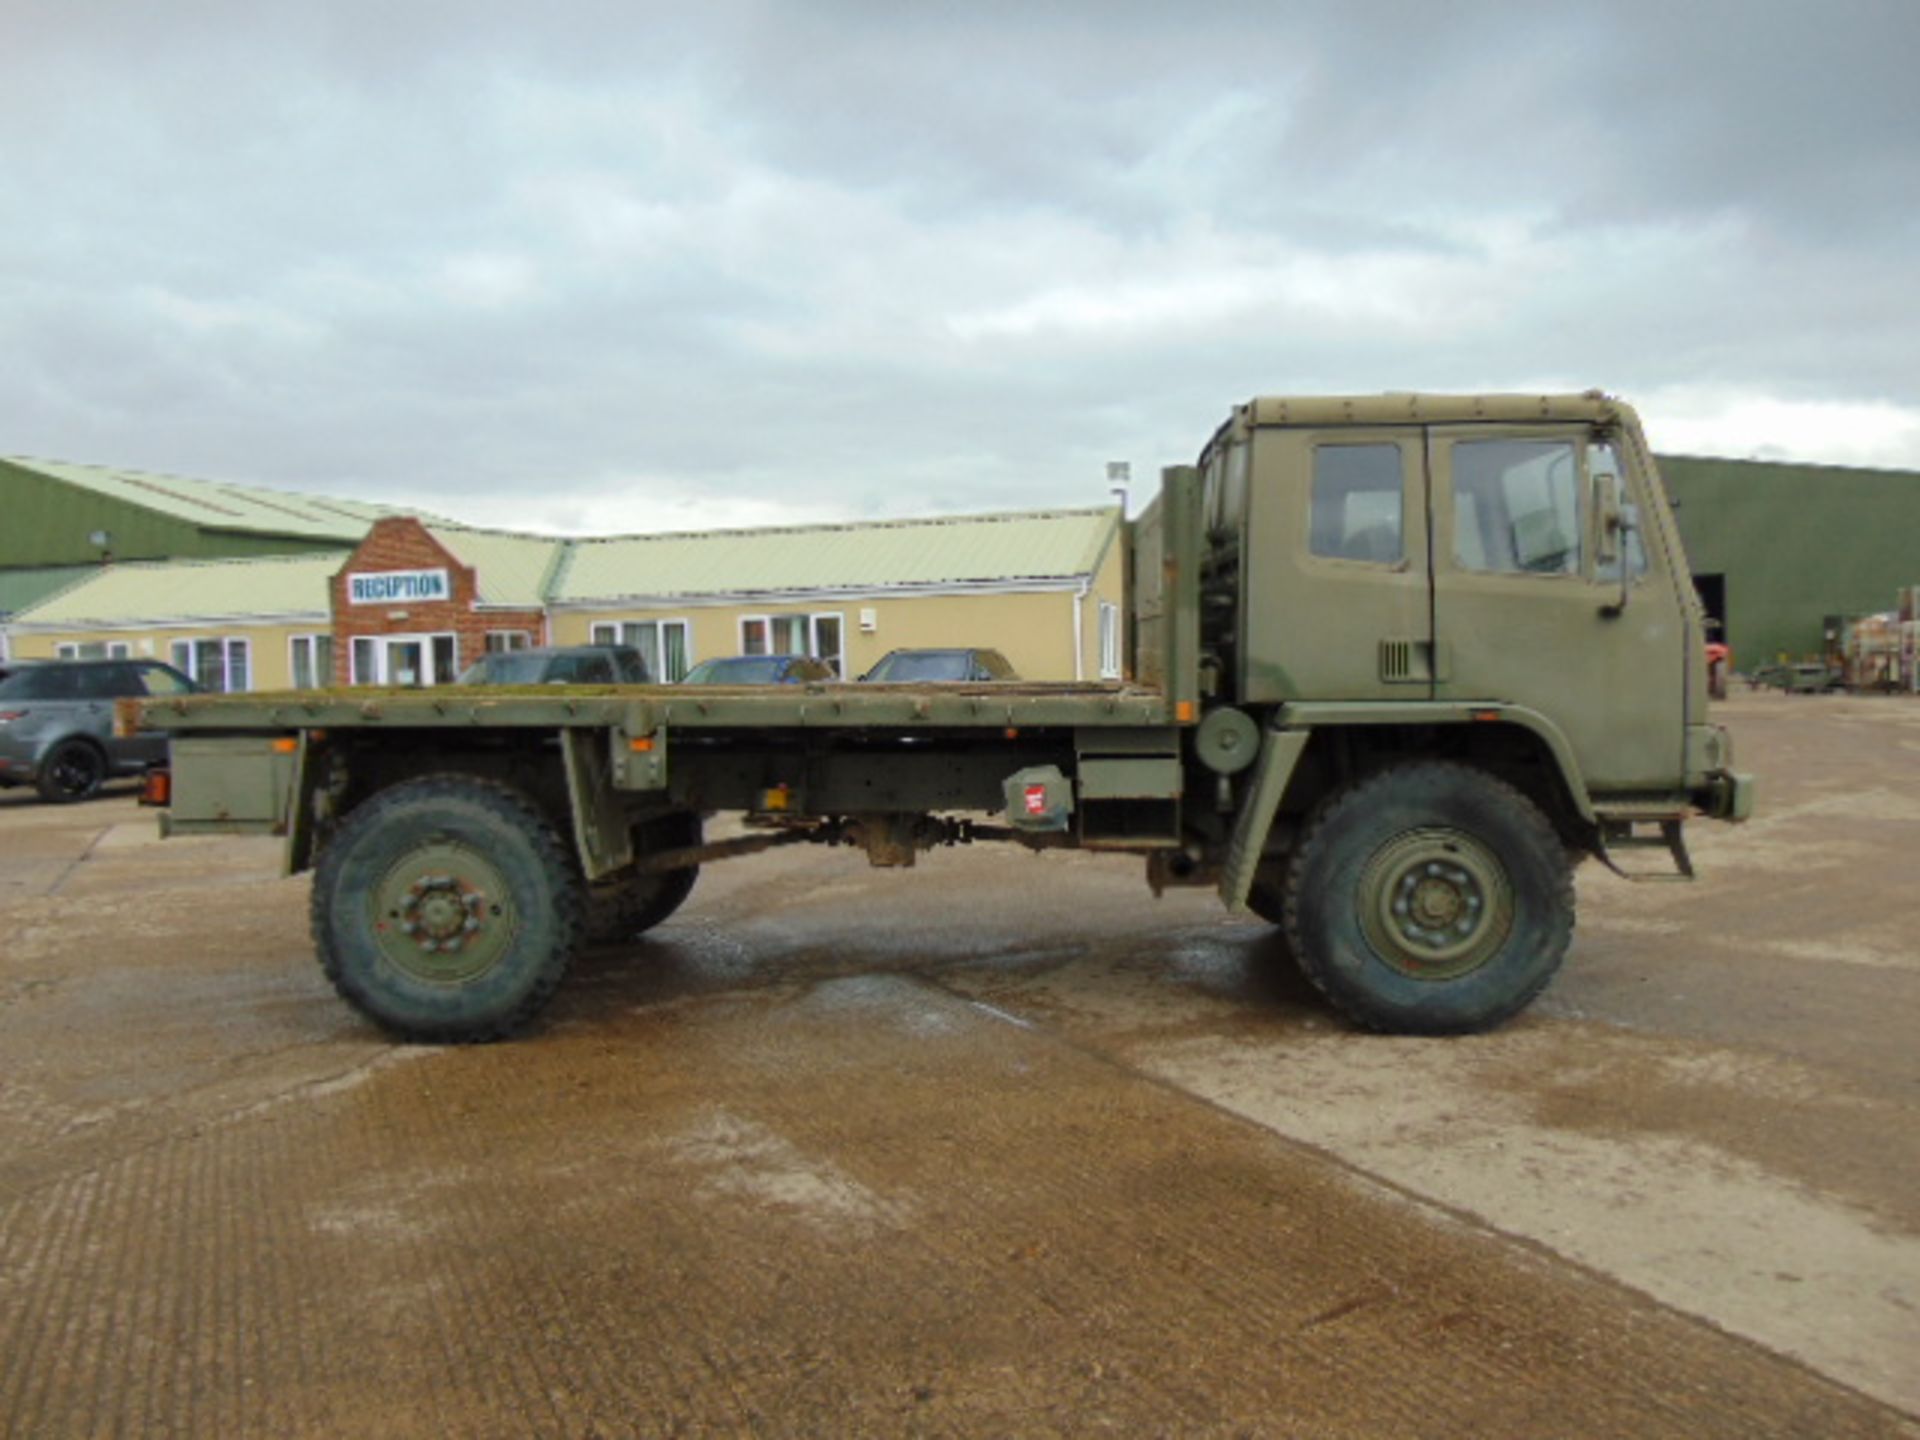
x=1592 y=406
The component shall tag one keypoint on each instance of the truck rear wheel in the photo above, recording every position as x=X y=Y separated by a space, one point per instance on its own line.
x=1267 y=896
x=1430 y=899
x=446 y=910
x=640 y=904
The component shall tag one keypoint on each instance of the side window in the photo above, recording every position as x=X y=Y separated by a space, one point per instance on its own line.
x=105 y=682
x=160 y=681
x=1357 y=509
x=1516 y=507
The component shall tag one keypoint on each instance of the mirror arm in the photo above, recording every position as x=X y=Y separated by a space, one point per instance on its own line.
x=1619 y=607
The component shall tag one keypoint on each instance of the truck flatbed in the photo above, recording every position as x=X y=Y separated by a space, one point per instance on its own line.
x=639 y=709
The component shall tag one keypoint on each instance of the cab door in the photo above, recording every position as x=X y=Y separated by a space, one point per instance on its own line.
x=1336 y=604
x=1527 y=612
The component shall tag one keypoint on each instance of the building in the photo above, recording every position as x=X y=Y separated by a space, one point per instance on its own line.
x=63 y=514
x=249 y=624
x=1777 y=549
x=1042 y=586
x=415 y=603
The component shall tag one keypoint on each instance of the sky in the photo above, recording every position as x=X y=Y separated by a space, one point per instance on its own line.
x=591 y=266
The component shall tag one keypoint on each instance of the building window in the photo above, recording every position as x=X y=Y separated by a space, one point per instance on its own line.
x=499 y=642
x=663 y=644
x=223 y=664
x=405 y=661
x=312 y=661
x=1109 y=641
x=819 y=634
x=93 y=650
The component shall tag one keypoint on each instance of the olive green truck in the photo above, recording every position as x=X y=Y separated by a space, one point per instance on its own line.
x=1398 y=663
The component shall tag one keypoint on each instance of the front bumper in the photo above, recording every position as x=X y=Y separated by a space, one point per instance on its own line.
x=1728 y=795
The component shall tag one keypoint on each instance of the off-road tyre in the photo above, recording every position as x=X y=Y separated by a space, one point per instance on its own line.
x=1429 y=899
x=433 y=853
x=630 y=910
x=73 y=770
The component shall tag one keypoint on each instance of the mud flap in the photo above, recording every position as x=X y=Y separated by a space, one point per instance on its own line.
x=1278 y=756
x=600 y=829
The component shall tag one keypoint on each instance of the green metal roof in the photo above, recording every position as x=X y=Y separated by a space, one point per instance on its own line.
x=21 y=588
x=512 y=569
x=219 y=505
x=957 y=551
x=279 y=587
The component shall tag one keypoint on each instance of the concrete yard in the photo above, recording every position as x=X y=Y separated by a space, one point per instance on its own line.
x=998 y=1146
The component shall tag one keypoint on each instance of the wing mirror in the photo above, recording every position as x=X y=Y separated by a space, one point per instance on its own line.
x=1613 y=522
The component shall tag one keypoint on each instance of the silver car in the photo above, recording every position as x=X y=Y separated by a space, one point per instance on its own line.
x=56 y=724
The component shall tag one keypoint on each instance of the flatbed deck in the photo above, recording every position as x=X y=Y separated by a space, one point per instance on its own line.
x=638 y=709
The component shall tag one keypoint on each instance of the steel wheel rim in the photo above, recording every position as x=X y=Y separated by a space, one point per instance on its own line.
x=1435 y=903
x=443 y=913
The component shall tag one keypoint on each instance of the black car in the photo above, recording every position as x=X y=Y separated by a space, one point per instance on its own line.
x=759 y=670
x=559 y=665
x=899 y=667
x=56 y=724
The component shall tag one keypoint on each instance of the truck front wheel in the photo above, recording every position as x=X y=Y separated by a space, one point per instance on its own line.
x=1430 y=899
x=446 y=910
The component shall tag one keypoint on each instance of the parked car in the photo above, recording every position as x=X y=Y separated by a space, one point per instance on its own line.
x=1807 y=677
x=56 y=724
x=905 y=666
x=559 y=665
x=759 y=670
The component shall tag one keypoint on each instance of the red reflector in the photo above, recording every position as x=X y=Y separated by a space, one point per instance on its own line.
x=1486 y=714
x=1036 y=799
x=157 y=788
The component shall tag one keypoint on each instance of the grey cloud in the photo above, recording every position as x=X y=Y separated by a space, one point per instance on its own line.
x=881 y=259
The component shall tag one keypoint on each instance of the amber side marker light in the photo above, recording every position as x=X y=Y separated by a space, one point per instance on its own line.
x=157 y=788
x=285 y=745
x=640 y=744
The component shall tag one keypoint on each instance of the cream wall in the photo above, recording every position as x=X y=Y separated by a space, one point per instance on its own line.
x=1033 y=629
x=1109 y=585
x=270 y=647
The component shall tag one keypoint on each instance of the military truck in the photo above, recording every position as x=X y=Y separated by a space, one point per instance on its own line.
x=1398 y=664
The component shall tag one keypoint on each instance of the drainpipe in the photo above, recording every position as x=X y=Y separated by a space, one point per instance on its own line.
x=1079 y=648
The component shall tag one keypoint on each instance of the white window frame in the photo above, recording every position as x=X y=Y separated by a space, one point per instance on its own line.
x=1110 y=658
x=109 y=650
x=310 y=642
x=382 y=653
x=230 y=645
x=811 y=620
x=624 y=632
x=508 y=639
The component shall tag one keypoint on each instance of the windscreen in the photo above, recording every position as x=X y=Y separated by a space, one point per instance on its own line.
x=928 y=665
x=514 y=667
x=739 y=670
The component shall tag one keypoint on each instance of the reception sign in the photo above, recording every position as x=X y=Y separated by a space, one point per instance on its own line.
x=392 y=587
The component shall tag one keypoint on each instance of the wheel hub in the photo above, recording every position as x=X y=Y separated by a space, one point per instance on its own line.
x=1435 y=903
x=443 y=914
